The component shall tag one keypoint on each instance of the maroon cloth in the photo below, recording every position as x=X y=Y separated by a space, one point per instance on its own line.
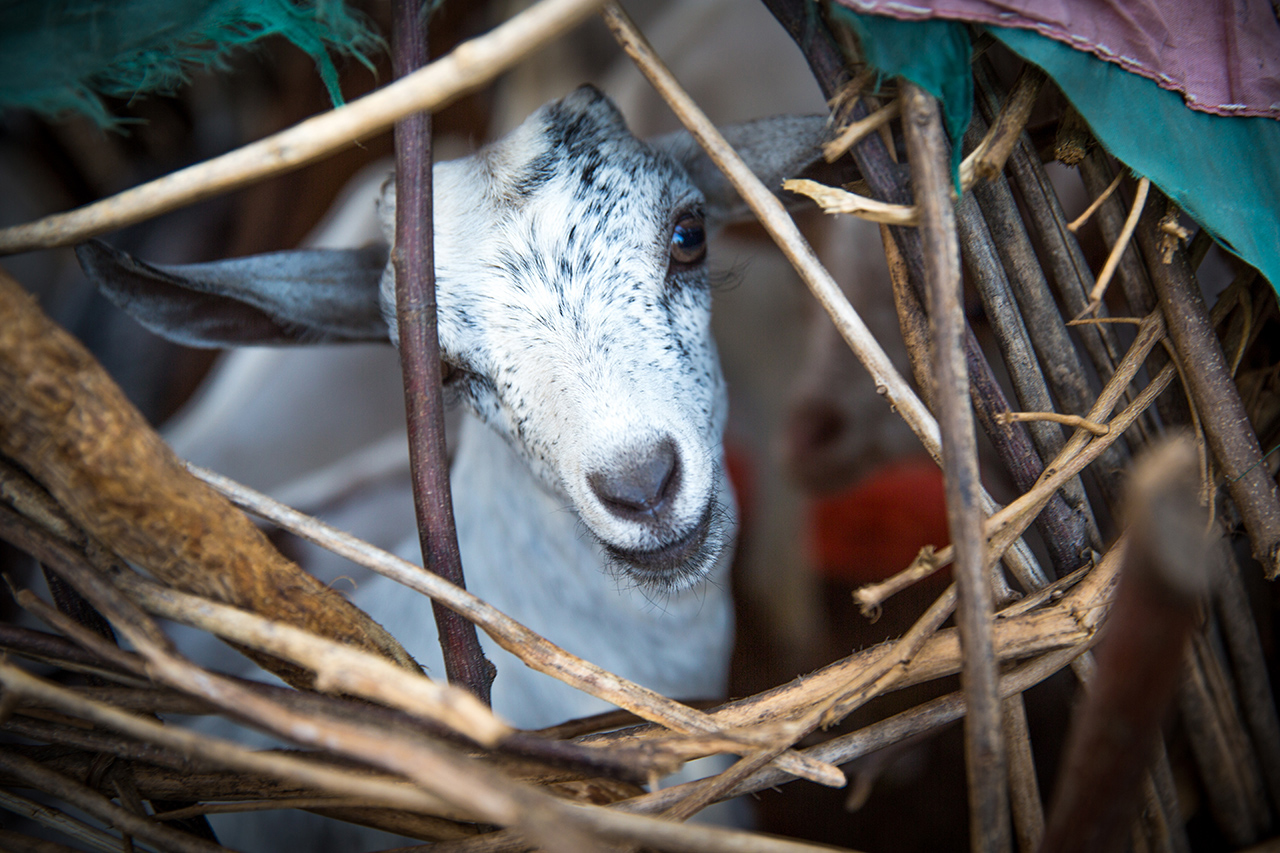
x=1222 y=56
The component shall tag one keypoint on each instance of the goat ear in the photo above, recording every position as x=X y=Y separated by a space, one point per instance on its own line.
x=313 y=296
x=775 y=148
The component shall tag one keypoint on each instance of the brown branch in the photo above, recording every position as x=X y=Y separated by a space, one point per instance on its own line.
x=55 y=651
x=1257 y=700
x=1058 y=357
x=1210 y=385
x=1222 y=753
x=984 y=747
x=1066 y=524
x=1114 y=736
x=413 y=258
x=1024 y=789
x=1062 y=255
x=69 y=425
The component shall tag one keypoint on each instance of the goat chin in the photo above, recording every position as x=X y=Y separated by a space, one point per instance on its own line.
x=682 y=563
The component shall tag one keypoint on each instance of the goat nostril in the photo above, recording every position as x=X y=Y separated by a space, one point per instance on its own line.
x=641 y=484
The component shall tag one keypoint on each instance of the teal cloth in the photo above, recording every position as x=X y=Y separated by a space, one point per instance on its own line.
x=1223 y=171
x=59 y=56
x=934 y=54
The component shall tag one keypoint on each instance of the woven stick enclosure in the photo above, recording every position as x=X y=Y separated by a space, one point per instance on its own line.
x=1111 y=504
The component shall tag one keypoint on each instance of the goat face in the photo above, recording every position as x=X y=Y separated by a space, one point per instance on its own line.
x=573 y=313
x=574 y=318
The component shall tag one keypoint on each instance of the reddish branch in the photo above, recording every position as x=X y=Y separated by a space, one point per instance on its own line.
x=414 y=260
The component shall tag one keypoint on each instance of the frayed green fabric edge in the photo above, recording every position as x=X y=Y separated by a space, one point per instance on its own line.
x=64 y=56
x=1222 y=170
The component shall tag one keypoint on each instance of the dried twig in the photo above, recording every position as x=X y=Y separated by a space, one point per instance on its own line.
x=1122 y=243
x=987 y=159
x=469 y=66
x=854 y=131
x=983 y=163
x=1062 y=255
x=1223 y=754
x=1066 y=524
x=926 y=717
x=1074 y=225
x=1066 y=420
x=1240 y=631
x=835 y=200
x=338 y=668
x=984 y=747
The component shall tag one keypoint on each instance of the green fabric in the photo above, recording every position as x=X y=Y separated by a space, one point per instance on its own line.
x=1222 y=170
x=934 y=54
x=58 y=56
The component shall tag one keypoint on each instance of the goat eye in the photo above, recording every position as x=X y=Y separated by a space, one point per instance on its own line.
x=688 y=240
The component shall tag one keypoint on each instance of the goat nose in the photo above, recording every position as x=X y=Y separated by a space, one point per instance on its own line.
x=639 y=486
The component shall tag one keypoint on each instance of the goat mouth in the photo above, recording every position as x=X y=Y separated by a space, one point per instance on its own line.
x=677 y=564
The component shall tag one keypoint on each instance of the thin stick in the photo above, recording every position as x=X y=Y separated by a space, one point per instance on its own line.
x=469 y=66
x=1113 y=259
x=435 y=767
x=855 y=131
x=1062 y=255
x=535 y=651
x=413 y=260
x=1257 y=702
x=1078 y=453
x=987 y=159
x=224 y=753
x=1054 y=417
x=45 y=815
x=1074 y=225
x=983 y=163
x=984 y=746
x=338 y=668
x=1066 y=524
x=835 y=200
x=1057 y=354
x=84 y=797
x=1024 y=789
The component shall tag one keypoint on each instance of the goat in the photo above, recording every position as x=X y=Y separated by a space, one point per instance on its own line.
x=574 y=309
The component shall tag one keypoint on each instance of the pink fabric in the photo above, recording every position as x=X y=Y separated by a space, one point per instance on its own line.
x=1222 y=56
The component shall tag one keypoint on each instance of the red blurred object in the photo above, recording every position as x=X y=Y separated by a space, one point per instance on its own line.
x=876 y=527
